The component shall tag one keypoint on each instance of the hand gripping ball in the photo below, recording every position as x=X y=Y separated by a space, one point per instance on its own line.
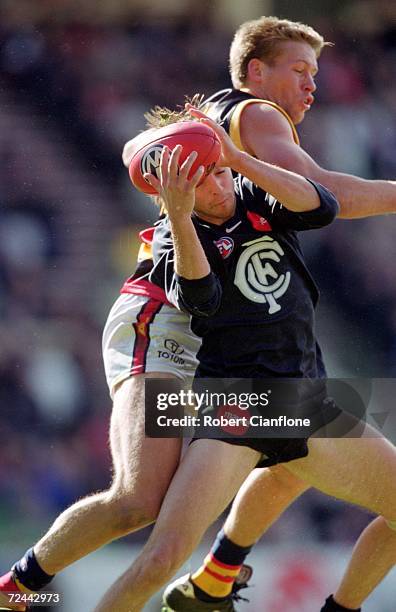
x=191 y=135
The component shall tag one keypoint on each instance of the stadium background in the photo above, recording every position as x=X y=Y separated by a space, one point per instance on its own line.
x=76 y=78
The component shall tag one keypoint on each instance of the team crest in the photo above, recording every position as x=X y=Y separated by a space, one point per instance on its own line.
x=256 y=274
x=225 y=246
x=151 y=160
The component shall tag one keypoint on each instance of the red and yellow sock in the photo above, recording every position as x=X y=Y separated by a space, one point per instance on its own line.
x=214 y=577
x=220 y=568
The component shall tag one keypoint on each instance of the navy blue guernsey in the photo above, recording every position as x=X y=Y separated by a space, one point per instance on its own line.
x=221 y=105
x=255 y=310
x=226 y=106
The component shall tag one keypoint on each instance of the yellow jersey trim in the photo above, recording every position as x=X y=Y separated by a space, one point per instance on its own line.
x=145 y=252
x=235 y=132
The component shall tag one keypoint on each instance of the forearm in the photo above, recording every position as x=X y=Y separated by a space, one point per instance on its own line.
x=198 y=289
x=190 y=260
x=267 y=134
x=291 y=189
x=358 y=197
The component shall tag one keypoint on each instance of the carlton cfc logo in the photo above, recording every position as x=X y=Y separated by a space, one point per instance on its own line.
x=151 y=160
x=256 y=275
x=225 y=246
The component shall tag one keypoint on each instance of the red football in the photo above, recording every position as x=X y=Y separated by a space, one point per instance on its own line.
x=191 y=135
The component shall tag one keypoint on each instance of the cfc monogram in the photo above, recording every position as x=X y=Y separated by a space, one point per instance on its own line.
x=256 y=277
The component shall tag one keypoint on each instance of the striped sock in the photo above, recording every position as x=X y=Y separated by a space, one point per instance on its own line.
x=332 y=606
x=220 y=568
x=29 y=574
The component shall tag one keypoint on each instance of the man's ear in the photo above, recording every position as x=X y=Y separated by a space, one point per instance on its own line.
x=256 y=70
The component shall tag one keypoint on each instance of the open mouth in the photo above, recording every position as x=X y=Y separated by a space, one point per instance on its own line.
x=308 y=101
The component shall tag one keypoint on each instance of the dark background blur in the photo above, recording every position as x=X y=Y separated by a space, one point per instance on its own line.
x=76 y=78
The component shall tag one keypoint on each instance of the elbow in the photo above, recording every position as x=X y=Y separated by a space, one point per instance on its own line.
x=210 y=308
x=200 y=298
x=328 y=208
x=202 y=310
x=330 y=211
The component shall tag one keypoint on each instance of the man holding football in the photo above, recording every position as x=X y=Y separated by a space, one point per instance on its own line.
x=268 y=133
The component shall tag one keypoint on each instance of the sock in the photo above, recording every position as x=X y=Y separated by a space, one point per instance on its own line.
x=8 y=584
x=28 y=573
x=214 y=579
x=333 y=606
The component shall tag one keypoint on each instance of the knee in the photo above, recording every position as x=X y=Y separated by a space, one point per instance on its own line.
x=164 y=558
x=128 y=513
x=286 y=482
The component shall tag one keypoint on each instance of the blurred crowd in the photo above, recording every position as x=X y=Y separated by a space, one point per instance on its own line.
x=89 y=87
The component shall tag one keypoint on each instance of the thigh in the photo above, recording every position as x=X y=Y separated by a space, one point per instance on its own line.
x=143 y=338
x=207 y=479
x=358 y=470
x=142 y=466
x=143 y=335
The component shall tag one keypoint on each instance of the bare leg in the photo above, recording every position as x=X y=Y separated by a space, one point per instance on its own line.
x=262 y=498
x=131 y=503
x=373 y=556
x=143 y=468
x=205 y=482
x=361 y=471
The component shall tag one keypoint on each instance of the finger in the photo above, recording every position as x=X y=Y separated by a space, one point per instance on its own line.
x=197 y=177
x=163 y=167
x=187 y=165
x=194 y=111
x=215 y=126
x=153 y=181
x=173 y=164
x=220 y=132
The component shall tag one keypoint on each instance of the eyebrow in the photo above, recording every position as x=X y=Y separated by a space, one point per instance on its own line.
x=315 y=67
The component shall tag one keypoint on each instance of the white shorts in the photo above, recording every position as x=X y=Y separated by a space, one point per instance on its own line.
x=144 y=335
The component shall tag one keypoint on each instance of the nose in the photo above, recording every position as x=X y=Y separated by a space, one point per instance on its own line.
x=310 y=84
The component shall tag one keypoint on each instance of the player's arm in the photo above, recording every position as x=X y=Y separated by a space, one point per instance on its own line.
x=198 y=289
x=289 y=188
x=266 y=134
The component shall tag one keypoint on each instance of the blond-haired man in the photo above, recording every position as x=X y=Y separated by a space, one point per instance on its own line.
x=273 y=64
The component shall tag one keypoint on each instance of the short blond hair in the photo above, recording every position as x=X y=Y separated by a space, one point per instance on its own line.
x=158 y=117
x=260 y=39
x=161 y=116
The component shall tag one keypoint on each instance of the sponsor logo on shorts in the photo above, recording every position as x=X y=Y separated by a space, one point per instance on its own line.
x=172 y=352
x=173 y=346
x=236 y=420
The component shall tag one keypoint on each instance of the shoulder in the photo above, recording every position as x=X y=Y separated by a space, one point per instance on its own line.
x=267 y=120
x=267 y=133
